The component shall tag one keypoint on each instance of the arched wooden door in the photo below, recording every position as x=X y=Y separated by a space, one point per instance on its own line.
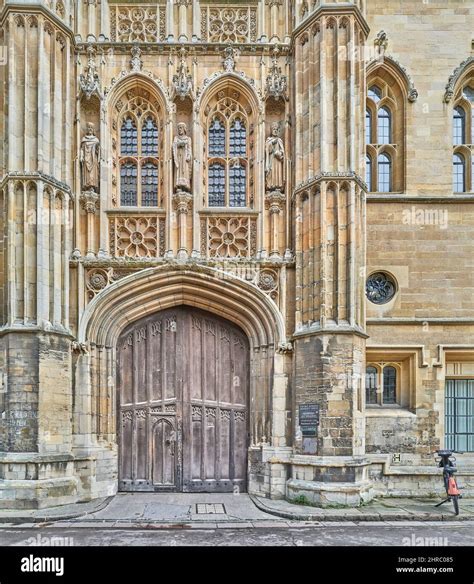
x=183 y=377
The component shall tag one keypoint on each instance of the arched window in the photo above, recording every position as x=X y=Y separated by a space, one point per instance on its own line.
x=371 y=385
x=228 y=153
x=368 y=172
x=459 y=126
x=384 y=172
x=459 y=173
x=383 y=126
x=389 y=385
x=137 y=151
x=386 y=101
x=368 y=126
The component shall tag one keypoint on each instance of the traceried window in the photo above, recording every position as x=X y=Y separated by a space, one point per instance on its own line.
x=385 y=131
x=463 y=140
x=228 y=154
x=137 y=151
x=382 y=384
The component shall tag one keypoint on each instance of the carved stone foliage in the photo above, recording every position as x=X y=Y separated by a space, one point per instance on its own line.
x=143 y=23
x=228 y=237
x=267 y=281
x=97 y=279
x=276 y=83
x=229 y=24
x=137 y=237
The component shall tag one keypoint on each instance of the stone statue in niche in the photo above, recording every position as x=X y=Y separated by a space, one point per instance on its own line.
x=183 y=159
x=90 y=160
x=274 y=160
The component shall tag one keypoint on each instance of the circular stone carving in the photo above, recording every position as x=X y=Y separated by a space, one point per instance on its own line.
x=228 y=238
x=97 y=280
x=266 y=281
x=136 y=238
x=380 y=288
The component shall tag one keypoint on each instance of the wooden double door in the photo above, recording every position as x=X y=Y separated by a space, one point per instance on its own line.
x=183 y=377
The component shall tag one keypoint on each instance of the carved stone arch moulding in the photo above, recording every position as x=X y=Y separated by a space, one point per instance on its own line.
x=459 y=75
x=153 y=289
x=222 y=79
x=398 y=72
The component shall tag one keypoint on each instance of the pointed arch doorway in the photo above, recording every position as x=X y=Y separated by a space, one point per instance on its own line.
x=182 y=387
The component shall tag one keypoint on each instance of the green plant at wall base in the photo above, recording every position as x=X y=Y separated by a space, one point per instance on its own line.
x=301 y=500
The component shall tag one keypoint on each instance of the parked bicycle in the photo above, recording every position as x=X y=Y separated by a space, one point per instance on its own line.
x=447 y=463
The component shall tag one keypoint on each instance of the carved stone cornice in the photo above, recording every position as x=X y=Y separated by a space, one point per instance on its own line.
x=329 y=176
x=90 y=201
x=36 y=176
x=37 y=9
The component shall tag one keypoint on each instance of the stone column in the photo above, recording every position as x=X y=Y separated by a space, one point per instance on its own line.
x=329 y=198
x=275 y=202
x=90 y=204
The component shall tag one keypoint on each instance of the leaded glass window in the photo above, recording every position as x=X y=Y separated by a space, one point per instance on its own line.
x=459 y=126
x=237 y=185
x=150 y=184
x=383 y=126
x=216 y=186
x=128 y=183
x=384 y=173
x=150 y=137
x=228 y=156
x=237 y=138
x=139 y=152
x=217 y=138
x=459 y=173
x=371 y=385
x=129 y=137
x=389 y=385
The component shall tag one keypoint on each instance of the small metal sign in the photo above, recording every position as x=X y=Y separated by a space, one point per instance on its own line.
x=309 y=419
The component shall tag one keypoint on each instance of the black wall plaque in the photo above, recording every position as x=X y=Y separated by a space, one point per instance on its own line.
x=309 y=419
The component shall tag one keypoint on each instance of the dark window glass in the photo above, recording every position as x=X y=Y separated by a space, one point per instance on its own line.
x=389 y=385
x=459 y=126
x=368 y=127
x=384 y=174
x=459 y=414
x=150 y=184
x=216 y=138
x=368 y=172
x=375 y=93
x=129 y=138
x=238 y=138
x=459 y=174
x=128 y=183
x=216 y=186
x=237 y=185
x=149 y=137
x=371 y=385
x=383 y=126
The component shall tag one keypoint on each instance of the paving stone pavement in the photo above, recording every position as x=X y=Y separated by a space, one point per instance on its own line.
x=227 y=510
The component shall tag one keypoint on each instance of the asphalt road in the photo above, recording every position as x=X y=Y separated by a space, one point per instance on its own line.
x=368 y=534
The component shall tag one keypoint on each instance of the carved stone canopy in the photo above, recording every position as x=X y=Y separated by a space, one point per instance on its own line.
x=182 y=80
x=276 y=83
x=89 y=81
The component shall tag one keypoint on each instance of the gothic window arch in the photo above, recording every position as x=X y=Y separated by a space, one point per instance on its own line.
x=385 y=129
x=137 y=150
x=463 y=138
x=229 y=151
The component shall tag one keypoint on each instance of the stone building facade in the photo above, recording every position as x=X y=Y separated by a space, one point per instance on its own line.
x=236 y=248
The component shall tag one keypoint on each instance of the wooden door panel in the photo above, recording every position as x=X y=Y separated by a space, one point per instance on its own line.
x=183 y=368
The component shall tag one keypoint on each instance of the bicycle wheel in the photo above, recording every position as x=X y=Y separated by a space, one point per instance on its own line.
x=455 y=499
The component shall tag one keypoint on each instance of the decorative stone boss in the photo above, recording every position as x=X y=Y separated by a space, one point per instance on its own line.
x=90 y=160
x=183 y=159
x=275 y=160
